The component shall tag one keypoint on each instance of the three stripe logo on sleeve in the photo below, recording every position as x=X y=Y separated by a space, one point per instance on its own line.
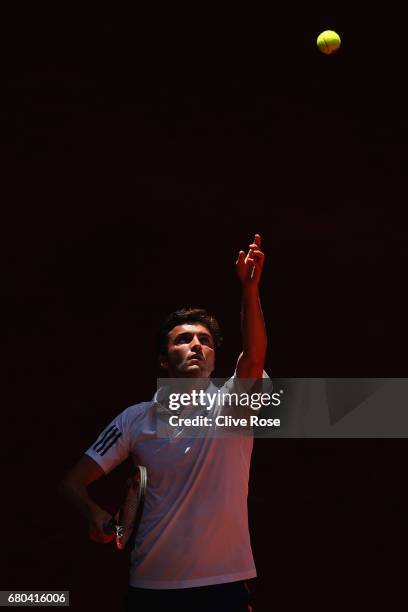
x=107 y=440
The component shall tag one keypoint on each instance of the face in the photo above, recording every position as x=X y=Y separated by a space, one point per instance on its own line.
x=190 y=352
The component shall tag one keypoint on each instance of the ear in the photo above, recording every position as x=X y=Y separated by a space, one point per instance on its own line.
x=163 y=362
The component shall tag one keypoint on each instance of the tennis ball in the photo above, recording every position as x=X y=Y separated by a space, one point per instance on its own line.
x=328 y=42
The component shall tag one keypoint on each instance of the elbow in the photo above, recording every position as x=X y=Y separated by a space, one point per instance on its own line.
x=62 y=487
x=65 y=486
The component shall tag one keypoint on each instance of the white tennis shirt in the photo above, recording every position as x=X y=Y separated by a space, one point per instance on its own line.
x=194 y=526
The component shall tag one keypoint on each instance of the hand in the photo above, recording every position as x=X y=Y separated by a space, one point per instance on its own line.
x=249 y=266
x=98 y=523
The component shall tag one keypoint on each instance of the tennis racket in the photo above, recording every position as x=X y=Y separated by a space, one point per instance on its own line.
x=125 y=522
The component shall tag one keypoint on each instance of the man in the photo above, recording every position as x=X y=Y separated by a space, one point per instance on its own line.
x=192 y=549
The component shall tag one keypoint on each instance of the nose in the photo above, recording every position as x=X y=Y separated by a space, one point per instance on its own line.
x=196 y=344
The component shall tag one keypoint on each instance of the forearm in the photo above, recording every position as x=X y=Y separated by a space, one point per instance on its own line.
x=249 y=268
x=74 y=488
x=254 y=339
x=77 y=494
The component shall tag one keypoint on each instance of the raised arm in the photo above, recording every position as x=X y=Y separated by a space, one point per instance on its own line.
x=75 y=488
x=254 y=341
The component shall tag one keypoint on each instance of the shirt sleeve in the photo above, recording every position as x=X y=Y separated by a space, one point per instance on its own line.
x=112 y=446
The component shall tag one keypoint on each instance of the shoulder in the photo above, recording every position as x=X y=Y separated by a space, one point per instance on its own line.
x=133 y=414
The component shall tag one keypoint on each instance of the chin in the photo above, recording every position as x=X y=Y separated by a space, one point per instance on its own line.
x=193 y=372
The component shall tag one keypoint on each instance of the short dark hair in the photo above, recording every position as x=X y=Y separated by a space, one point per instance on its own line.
x=188 y=315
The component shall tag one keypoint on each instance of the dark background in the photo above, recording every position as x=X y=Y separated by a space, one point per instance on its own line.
x=139 y=153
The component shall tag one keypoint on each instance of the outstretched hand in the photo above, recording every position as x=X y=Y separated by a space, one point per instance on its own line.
x=249 y=266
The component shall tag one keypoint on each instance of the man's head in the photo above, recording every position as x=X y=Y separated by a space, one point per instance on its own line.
x=186 y=343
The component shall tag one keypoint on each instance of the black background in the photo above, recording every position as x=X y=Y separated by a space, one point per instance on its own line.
x=139 y=153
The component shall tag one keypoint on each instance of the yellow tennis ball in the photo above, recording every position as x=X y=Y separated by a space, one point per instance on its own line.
x=328 y=42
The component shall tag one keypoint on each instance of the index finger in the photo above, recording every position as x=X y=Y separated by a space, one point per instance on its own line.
x=257 y=240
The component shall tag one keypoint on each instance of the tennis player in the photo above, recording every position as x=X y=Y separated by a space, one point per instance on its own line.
x=192 y=548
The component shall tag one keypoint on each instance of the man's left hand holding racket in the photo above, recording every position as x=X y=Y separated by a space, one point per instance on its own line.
x=125 y=521
x=74 y=487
